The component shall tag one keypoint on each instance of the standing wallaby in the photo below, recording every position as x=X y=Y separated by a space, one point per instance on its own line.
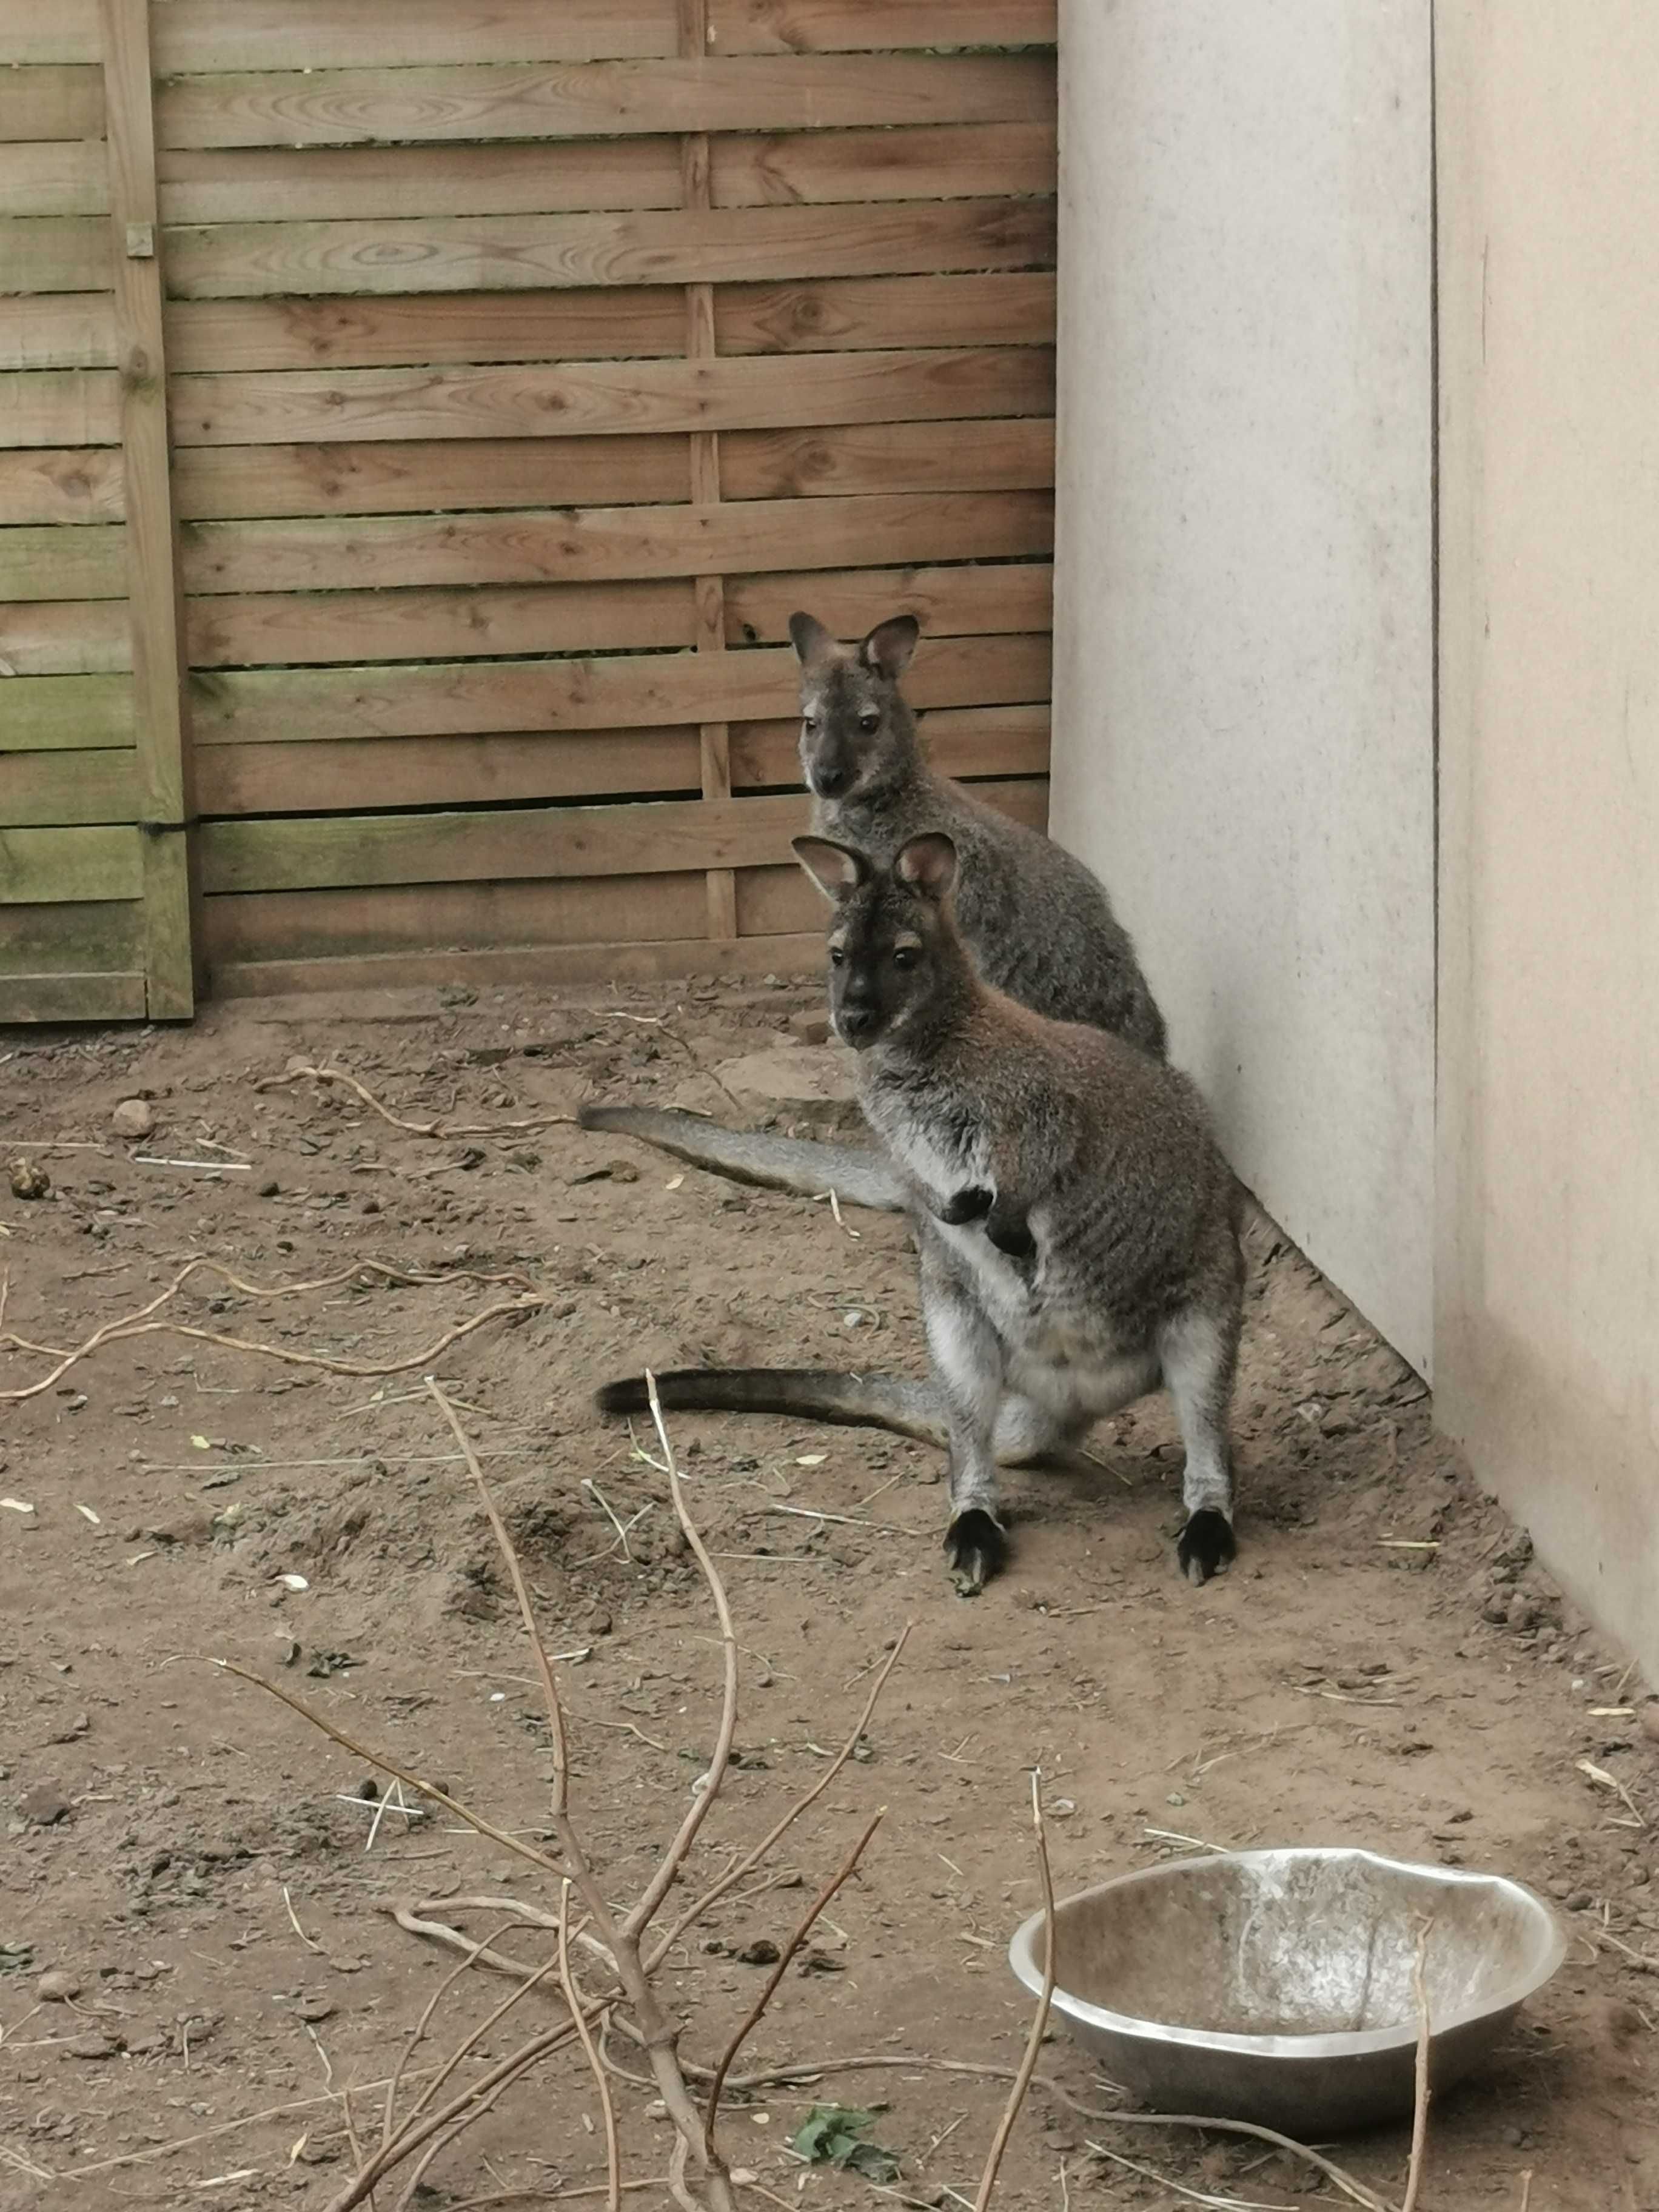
x=1037 y=924
x=1077 y=1224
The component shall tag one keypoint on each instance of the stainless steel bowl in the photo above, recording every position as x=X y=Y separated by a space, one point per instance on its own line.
x=1277 y=1986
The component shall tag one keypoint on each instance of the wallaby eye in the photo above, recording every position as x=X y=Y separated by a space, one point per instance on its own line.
x=809 y=724
x=869 y=720
x=904 y=957
x=838 y=957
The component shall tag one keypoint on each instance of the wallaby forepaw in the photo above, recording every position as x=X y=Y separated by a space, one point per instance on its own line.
x=972 y=1204
x=1206 y=1544
x=975 y=1547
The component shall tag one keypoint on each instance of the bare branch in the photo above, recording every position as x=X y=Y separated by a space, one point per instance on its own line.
x=723 y=2067
x=988 y=2180
x=567 y=1982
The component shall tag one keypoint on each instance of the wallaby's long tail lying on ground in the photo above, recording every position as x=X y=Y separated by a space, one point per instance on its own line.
x=908 y=1409
x=857 y=1174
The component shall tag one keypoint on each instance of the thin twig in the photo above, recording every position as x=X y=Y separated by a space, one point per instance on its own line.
x=439 y=1129
x=988 y=2180
x=640 y=1918
x=607 y=2110
x=473 y=1951
x=294 y=1918
x=723 y=2066
x=474 y=1820
x=1420 y=2099
x=1193 y=2196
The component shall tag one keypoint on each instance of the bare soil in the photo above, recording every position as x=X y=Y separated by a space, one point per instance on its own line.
x=1384 y=1666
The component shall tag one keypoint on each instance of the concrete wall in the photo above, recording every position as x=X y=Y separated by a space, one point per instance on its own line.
x=1547 y=1350
x=1243 y=703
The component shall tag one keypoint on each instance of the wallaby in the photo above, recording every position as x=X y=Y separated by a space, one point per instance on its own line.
x=1037 y=923
x=1077 y=1224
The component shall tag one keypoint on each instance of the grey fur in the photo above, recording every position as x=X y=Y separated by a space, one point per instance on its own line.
x=1077 y=1224
x=1038 y=925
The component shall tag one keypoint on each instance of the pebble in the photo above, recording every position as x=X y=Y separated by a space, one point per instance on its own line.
x=57 y=1985
x=133 y=1117
x=28 y=1181
x=1650 y=1719
x=765 y=1953
x=44 y=1805
x=93 y=2046
x=271 y=1189
x=317 y=2008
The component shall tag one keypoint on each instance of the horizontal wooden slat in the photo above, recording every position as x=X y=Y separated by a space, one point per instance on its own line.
x=44 y=866
x=71 y=998
x=378 y=920
x=54 y=253
x=277 y=627
x=71 y=178
x=60 y=407
x=61 y=484
x=605 y=98
x=66 y=33
x=63 y=564
x=51 y=102
x=59 y=787
x=656 y=247
x=598 y=543
x=578 y=398
x=617 y=691
x=63 y=637
x=949 y=602
x=545 y=965
x=647 y=838
x=382 y=772
x=792 y=27
x=340 y=184
x=211 y=482
x=70 y=330
x=776 y=901
x=960 y=741
x=944 y=162
x=98 y=934
x=40 y=711
x=196 y=35
x=992 y=307
x=1014 y=455
x=216 y=335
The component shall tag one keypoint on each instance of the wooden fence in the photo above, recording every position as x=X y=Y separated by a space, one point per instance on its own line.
x=524 y=366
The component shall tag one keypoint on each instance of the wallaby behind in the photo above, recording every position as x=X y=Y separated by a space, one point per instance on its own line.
x=1076 y=1221
x=1037 y=924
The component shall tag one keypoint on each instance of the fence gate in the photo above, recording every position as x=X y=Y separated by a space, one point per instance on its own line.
x=524 y=367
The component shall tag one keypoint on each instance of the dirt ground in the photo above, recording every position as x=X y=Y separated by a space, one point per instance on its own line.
x=1384 y=1666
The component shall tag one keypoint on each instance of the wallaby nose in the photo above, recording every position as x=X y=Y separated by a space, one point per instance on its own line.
x=831 y=782
x=855 y=1022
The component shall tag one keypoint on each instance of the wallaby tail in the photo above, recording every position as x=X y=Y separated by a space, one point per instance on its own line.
x=863 y=1402
x=857 y=1174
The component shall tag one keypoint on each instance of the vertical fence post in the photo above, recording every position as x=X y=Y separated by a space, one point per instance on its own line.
x=154 y=601
x=716 y=737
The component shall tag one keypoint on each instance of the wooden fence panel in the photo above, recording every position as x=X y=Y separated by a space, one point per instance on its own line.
x=525 y=367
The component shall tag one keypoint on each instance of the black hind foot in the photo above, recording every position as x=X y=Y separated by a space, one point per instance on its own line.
x=976 y=1548
x=1206 y=1544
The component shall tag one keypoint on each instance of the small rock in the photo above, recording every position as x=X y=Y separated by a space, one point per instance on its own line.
x=810 y=1028
x=28 y=1181
x=44 y=1805
x=67 y=1731
x=1496 y=1609
x=765 y=1953
x=1579 y=1901
x=133 y=1117
x=1650 y=1719
x=271 y=1188
x=1522 y=1611
x=93 y=2046
x=57 y=1985
x=317 y=2008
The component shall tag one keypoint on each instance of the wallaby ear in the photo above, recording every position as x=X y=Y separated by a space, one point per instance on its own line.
x=811 y=639
x=834 y=868
x=929 y=865
x=890 y=645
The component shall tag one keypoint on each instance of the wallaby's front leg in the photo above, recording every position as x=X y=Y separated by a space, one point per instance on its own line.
x=962 y=1206
x=967 y=1359
x=1198 y=1352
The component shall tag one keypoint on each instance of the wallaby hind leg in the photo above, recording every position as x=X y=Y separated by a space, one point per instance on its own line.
x=1200 y=1350
x=967 y=1360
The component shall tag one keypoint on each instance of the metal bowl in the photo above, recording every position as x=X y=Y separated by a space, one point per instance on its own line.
x=1277 y=1986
